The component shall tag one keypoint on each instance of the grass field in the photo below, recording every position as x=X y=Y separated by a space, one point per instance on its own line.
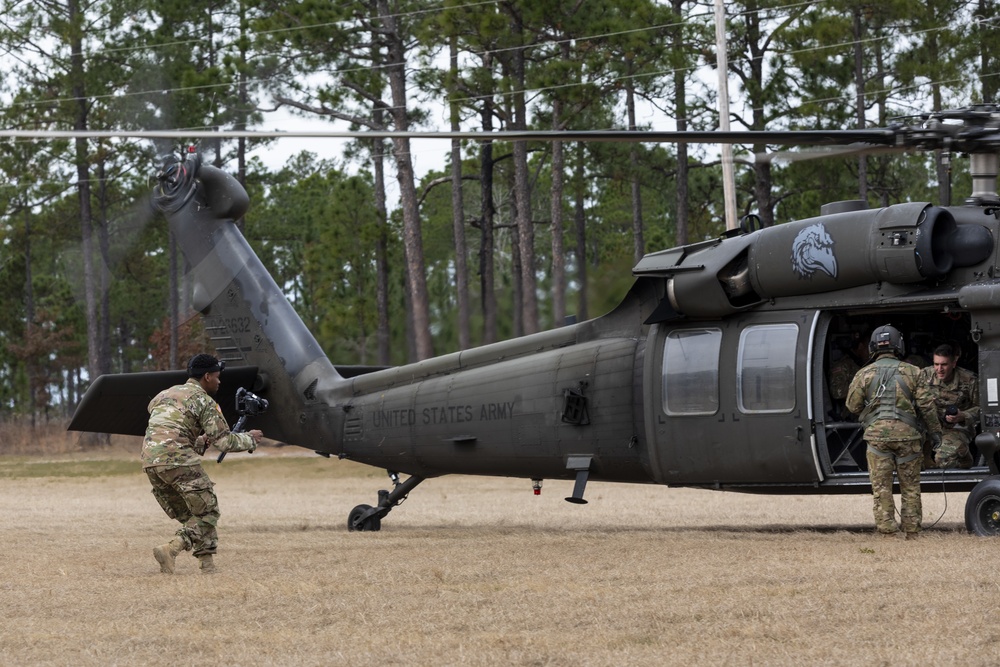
x=477 y=571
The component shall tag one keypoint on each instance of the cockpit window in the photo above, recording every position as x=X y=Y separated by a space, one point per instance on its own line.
x=766 y=368
x=691 y=372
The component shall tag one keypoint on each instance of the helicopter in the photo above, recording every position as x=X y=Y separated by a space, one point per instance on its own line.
x=711 y=373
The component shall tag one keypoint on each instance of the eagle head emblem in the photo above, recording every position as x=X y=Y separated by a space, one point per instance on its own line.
x=812 y=251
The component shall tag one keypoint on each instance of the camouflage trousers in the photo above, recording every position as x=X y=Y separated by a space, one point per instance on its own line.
x=904 y=458
x=185 y=494
x=954 y=450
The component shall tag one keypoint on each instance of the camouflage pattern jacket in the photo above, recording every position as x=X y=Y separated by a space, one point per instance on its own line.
x=177 y=416
x=842 y=371
x=962 y=392
x=914 y=402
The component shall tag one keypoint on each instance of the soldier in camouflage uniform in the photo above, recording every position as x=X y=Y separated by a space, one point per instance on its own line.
x=955 y=388
x=892 y=401
x=842 y=371
x=184 y=421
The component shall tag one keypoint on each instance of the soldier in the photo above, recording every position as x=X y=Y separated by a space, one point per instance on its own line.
x=892 y=402
x=184 y=421
x=956 y=395
x=843 y=370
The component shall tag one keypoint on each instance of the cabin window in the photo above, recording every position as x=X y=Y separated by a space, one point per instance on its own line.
x=765 y=380
x=691 y=372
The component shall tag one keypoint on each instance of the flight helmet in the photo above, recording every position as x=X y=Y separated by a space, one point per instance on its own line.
x=887 y=338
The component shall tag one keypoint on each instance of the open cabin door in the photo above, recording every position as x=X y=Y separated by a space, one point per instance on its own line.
x=731 y=400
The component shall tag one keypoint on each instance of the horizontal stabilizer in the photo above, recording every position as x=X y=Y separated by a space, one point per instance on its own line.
x=118 y=403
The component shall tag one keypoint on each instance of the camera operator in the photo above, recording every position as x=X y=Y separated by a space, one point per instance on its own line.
x=956 y=395
x=184 y=421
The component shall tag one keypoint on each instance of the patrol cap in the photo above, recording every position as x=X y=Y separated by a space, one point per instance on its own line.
x=204 y=363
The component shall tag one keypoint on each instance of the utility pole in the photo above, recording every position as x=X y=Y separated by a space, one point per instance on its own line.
x=728 y=177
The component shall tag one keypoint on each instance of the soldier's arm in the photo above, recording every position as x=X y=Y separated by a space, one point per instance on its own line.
x=924 y=398
x=972 y=412
x=856 y=394
x=217 y=433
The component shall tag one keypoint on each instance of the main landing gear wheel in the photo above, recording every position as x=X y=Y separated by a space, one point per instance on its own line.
x=357 y=520
x=982 y=509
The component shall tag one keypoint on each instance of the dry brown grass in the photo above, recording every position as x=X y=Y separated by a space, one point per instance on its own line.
x=473 y=571
x=20 y=437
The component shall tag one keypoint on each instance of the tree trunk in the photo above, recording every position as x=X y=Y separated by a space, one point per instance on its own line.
x=244 y=104
x=522 y=189
x=988 y=80
x=381 y=253
x=173 y=298
x=412 y=235
x=486 y=266
x=377 y=147
x=680 y=108
x=77 y=72
x=83 y=196
x=859 y=85
x=940 y=164
x=29 y=312
x=879 y=85
x=638 y=242
x=580 y=225
x=104 y=314
x=558 y=251
x=517 y=284
x=761 y=168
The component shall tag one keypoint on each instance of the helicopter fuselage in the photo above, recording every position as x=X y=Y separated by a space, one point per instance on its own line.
x=712 y=372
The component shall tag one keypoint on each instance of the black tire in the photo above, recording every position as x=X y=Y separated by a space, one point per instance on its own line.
x=354 y=521
x=982 y=509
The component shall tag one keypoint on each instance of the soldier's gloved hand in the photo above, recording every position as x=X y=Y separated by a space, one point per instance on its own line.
x=935 y=441
x=257 y=435
x=200 y=445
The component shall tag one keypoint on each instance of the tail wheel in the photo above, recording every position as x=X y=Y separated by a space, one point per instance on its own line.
x=982 y=509
x=357 y=519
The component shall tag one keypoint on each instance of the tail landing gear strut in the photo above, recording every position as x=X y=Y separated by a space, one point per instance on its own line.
x=366 y=517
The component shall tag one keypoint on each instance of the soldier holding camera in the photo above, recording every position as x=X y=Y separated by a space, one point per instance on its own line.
x=184 y=421
x=956 y=395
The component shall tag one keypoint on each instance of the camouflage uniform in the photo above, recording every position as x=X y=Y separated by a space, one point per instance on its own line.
x=842 y=371
x=894 y=436
x=963 y=393
x=171 y=454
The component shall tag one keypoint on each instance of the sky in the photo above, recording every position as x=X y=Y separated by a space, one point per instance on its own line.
x=428 y=154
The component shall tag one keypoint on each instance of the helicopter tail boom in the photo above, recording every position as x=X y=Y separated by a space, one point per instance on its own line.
x=247 y=317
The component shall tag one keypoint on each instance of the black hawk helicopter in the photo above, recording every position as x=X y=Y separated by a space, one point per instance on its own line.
x=711 y=373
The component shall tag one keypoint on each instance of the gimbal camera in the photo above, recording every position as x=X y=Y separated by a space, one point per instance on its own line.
x=248 y=404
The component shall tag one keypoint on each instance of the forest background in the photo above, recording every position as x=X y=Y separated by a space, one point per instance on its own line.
x=506 y=238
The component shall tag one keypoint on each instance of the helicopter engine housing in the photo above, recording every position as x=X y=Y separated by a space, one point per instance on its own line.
x=901 y=244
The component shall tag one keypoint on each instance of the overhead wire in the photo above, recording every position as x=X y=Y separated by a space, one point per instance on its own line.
x=545 y=44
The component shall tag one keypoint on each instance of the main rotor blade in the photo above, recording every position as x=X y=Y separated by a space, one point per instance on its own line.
x=823 y=152
x=756 y=137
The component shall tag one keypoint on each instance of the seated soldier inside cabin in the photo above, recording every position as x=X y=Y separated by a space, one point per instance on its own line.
x=853 y=355
x=956 y=395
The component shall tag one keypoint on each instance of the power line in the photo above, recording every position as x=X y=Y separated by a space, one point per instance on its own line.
x=534 y=91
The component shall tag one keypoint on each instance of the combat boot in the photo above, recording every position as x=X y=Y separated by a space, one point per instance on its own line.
x=166 y=554
x=207 y=566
